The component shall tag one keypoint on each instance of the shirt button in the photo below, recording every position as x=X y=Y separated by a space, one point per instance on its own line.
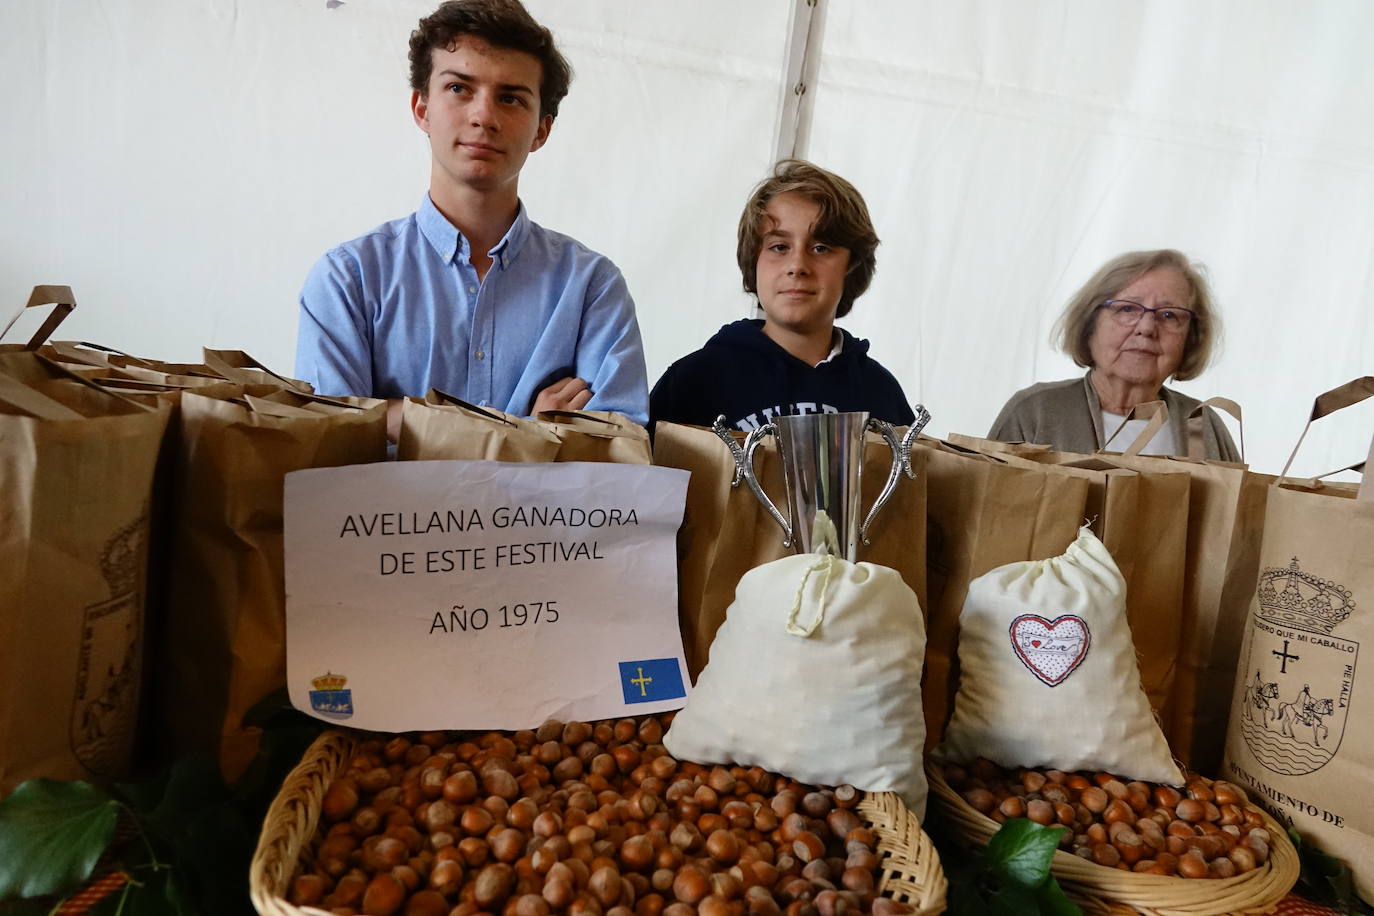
x=472 y=289
x=480 y=355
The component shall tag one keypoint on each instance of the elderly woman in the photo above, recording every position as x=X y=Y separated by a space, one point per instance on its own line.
x=1144 y=317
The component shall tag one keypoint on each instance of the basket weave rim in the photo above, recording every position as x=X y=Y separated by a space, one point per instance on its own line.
x=1256 y=891
x=909 y=864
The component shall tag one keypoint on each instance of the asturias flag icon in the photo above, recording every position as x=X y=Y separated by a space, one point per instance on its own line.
x=650 y=680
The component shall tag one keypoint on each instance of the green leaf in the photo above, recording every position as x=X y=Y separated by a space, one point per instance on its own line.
x=1022 y=851
x=51 y=836
x=1326 y=879
x=1054 y=902
x=194 y=823
x=1012 y=900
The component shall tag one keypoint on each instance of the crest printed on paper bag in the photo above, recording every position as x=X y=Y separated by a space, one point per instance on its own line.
x=105 y=704
x=1050 y=649
x=1295 y=704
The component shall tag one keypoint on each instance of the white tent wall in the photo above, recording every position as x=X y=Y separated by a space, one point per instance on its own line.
x=182 y=164
x=1008 y=149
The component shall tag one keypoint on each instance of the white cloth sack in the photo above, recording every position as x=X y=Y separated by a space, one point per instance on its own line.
x=1048 y=671
x=815 y=674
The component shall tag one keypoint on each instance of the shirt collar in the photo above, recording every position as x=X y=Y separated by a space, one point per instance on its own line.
x=449 y=243
x=836 y=347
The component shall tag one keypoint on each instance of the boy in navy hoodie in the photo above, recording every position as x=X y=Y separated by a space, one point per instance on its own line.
x=806 y=250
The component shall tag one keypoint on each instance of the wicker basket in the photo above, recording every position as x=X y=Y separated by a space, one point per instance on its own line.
x=1109 y=890
x=910 y=868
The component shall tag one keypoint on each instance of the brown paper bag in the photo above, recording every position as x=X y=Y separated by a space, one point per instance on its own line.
x=443 y=427
x=982 y=512
x=85 y=353
x=76 y=468
x=1301 y=737
x=218 y=366
x=597 y=435
x=1141 y=516
x=1225 y=514
x=225 y=642
x=726 y=531
x=162 y=516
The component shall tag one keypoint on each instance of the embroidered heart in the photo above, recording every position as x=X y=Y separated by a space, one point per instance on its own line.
x=1052 y=650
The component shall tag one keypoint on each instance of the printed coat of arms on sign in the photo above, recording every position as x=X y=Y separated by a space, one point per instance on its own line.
x=1296 y=700
x=331 y=696
x=1050 y=649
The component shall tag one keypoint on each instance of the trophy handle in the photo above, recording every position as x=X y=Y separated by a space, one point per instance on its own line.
x=901 y=462
x=744 y=468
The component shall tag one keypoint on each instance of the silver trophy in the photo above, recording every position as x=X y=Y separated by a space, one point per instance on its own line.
x=822 y=469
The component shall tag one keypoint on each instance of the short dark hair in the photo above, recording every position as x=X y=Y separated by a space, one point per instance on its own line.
x=501 y=24
x=843 y=221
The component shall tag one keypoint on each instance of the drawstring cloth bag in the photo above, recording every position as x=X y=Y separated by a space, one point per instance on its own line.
x=816 y=674
x=1049 y=673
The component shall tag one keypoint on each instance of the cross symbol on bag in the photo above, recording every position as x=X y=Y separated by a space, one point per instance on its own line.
x=1285 y=657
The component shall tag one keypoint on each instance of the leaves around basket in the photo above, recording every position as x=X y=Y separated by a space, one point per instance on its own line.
x=1010 y=877
x=191 y=819
x=190 y=852
x=51 y=836
x=1327 y=880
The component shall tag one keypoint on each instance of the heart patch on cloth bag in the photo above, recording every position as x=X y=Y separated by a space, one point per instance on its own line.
x=1052 y=650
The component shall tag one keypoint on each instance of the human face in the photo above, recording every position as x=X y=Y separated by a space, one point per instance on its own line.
x=799 y=278
x=1144 y=355
x=481 y=112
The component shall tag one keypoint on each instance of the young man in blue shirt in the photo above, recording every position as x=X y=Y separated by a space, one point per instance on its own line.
x=467 y=294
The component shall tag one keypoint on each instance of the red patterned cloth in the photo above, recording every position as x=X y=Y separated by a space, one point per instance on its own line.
x=1293 y=905
x=94 y=892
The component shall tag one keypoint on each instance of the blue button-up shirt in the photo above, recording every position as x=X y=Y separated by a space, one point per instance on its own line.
x=400 y=310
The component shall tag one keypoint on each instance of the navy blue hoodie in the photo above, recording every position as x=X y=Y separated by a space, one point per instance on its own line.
x=744 y=375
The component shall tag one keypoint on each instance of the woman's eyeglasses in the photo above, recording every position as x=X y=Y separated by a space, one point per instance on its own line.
x=1129 y=313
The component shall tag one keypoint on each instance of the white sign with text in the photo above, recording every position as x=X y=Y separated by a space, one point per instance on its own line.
x=483 y=594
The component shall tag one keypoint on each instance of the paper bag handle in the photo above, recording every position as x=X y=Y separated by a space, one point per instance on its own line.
x=33 y=402
x=1366 y=489
x=222 y=367
x=442 y=397
x=62 y=301
x=554 y=416
x=90 y=354
x=1157 y=411
x=282 y=411
x=1194 y=421
x=142 y=386
x=1327 y=403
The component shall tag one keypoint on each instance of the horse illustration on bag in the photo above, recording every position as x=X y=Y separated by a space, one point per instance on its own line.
x=1257 y=706
x=1302 y=718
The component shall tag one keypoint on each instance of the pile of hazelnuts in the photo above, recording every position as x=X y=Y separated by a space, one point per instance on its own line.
x=584 y=819
x=1207 y=829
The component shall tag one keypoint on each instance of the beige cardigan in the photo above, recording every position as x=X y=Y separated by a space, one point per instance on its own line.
x=1068 y=417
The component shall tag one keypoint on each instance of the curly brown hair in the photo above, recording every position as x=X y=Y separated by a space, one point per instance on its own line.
x=843 y=221
x=501 y=24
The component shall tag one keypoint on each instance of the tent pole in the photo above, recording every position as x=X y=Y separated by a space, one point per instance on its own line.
x=806 y=27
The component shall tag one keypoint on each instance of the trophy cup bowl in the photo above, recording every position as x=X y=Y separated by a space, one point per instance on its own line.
x=822 y=468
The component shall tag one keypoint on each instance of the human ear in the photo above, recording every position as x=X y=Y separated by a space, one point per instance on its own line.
x=542 y=134
x=419 y=110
